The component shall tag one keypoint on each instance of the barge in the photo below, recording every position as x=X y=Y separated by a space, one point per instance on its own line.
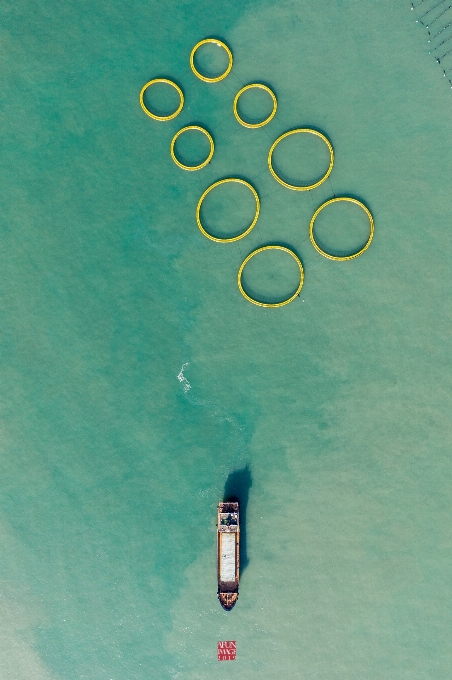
x=228 y=552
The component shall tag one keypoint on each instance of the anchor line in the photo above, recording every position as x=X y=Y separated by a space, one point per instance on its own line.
x=440 y=15
x=431 y=9
x=444 y=55
x=439 y=32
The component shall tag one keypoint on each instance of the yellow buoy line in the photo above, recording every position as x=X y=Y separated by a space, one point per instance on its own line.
x=212 y=41
x=270 y=304
x=345 y=257
x=154 y=115
x=249 y=87
x=247 y=230
x=295 y=187
x=178 y=134
x=279 y=179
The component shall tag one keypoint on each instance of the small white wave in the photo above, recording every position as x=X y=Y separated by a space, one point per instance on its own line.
x=182 y=379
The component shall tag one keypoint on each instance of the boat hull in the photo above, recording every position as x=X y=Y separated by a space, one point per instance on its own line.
x=228 y=552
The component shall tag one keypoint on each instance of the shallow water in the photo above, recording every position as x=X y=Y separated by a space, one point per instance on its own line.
x=136 y=379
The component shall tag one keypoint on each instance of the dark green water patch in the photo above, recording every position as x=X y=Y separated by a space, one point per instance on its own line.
x=237 y=489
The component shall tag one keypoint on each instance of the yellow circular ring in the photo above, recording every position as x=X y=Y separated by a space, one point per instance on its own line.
x=192 y=60
x=347 y=257
x=161 y=80
x=264 y=122
x=273 y=304
x=244 y=233
x=293 y=132
x=192 y=167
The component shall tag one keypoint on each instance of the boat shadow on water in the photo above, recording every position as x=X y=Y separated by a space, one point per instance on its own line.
x=236 y=490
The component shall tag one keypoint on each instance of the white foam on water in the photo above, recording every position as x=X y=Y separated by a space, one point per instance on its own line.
x=182 y=379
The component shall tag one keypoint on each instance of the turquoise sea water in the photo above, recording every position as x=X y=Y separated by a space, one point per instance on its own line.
x=135 y=378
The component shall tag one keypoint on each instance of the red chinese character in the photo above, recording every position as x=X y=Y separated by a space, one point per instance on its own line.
x=227 y=650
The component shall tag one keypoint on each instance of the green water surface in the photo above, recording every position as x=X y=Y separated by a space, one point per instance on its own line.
x=135 y=377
